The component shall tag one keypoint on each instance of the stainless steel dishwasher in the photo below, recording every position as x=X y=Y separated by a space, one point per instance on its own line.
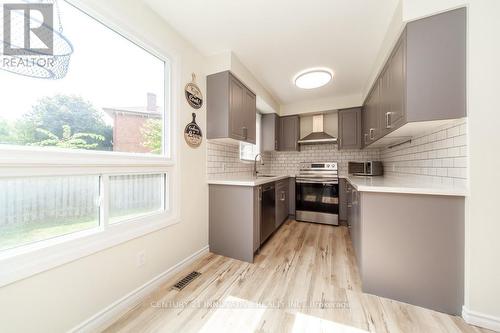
x=267 y=224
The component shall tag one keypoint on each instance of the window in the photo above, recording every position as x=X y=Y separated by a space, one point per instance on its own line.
x=85 y=160
x=248 y=151
x=135 y=195
x=111 y=99
x=37 y=208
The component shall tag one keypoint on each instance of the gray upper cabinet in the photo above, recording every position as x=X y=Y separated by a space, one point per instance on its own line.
x=270 y=132
x=350 y=129
x=423 y=80
x=289 y=133
x=371 y=126
x=231 y=108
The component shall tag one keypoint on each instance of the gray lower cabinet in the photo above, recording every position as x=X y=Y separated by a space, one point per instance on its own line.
x=235 y=226
x=350 y=129
x=289 y=133
x=231 y=109
x=423 y=80
x=410 y=247
x=282 y=201
x=343 y=187
x=234 y=221
x=270 y=132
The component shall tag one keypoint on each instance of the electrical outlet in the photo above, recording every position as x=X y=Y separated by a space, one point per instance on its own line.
x=141 y=258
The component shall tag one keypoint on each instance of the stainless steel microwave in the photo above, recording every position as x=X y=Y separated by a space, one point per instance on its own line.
x=368 y=168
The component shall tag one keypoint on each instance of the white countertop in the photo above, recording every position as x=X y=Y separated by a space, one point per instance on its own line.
x=408 y=185
x=245 y=180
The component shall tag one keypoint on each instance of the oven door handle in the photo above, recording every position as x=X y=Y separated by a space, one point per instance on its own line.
x=302 y=181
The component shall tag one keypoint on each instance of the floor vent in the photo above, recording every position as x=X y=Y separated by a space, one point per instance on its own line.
x=186 y=280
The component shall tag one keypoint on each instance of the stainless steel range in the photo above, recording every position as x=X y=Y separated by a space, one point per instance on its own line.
x=317 y=193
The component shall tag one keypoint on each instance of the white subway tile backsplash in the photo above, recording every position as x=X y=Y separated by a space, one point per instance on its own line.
x=440 y=156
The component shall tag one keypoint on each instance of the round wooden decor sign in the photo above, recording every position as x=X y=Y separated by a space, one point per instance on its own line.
x=192 y=133
x=193 y=94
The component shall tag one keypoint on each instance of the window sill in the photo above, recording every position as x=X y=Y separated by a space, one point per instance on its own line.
x=25 y=261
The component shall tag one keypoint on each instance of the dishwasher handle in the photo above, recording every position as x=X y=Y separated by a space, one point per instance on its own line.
x=267 y=188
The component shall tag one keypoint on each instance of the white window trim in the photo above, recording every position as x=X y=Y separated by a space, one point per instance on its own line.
x=27 y=260
x=258 y=141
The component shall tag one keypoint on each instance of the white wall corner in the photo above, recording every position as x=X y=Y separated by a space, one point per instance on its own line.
x=114 y=311
x=480 y=319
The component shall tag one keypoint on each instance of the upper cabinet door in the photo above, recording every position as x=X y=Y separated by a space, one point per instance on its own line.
x=231 y=109
x=237 y=109
x=289 y=133
x=350 y=129
x=371 y=128
x=249 y=116
x=270 y=132
x=394 y=115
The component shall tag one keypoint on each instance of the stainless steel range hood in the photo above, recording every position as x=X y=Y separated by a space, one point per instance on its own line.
x=318 y=135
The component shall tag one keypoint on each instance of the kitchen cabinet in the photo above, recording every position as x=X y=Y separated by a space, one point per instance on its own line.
x=242 y=218
x=422 y=84
x=350 y=129
x=410 y=247
x=231 y=109
x=270 y=132
x=371 y=126
x=289 y=133
x=282 y=201
x=343 y=198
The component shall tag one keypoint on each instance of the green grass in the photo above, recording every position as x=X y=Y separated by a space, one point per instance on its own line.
x=24 y=233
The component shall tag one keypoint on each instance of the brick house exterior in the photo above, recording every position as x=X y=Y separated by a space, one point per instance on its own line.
x=127 y=125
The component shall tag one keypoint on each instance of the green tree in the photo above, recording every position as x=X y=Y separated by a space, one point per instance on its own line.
x=68 y=140
x=152 y=133
x=5 y=131
x=52 y=114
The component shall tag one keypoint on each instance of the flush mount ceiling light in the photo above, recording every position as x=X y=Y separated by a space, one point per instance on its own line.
x=313 y=78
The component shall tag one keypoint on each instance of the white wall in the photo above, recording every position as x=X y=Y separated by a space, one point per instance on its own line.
x=483 y=247
x=61 y=298
x=225 y=61
x=321 y=105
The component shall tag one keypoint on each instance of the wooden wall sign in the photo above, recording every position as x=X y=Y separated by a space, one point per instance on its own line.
x=192 y=133
x=193 y=93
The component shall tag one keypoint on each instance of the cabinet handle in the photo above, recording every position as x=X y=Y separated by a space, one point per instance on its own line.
x=340 y=143
x=349 y=206
x=388 y=120
x=245 y=132
x=260 y=194
x=372 y=133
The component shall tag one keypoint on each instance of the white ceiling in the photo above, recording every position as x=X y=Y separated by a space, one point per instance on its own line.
x=275 y=39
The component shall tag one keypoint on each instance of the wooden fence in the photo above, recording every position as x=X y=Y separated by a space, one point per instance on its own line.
x=41 y=199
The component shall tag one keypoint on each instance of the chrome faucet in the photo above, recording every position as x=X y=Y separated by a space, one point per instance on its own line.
x=255 y=172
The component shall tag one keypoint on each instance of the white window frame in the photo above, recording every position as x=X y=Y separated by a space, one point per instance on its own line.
x=257 y=146
x=21 y=161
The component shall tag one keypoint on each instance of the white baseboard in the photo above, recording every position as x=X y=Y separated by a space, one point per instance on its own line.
x=481 y=319
x=111 y=313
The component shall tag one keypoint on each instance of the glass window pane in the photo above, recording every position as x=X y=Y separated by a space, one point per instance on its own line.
x=135 y=195
x=112 y=97
x=37 y=208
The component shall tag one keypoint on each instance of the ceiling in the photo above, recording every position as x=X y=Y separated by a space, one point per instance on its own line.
x=276 y=39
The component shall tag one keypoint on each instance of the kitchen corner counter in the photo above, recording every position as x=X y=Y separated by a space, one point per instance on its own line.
x=389 y=184
x=245 y=180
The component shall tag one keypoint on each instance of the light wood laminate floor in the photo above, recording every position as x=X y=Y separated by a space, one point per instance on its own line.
x=303 y=280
